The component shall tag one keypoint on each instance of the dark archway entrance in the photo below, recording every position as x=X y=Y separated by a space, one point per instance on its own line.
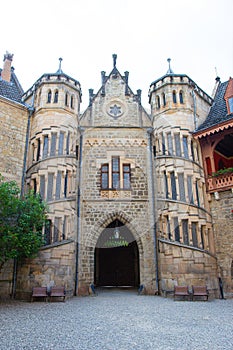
x=116 y=257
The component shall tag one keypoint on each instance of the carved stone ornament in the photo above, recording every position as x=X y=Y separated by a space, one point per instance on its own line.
x=115 y=109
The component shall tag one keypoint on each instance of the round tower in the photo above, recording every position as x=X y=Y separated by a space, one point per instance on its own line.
x=178 y=106
x=54 y=103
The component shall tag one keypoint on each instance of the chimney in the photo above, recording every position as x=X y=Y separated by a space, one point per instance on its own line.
x=6 y=71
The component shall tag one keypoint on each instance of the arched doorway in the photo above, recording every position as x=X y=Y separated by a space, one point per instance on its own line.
x=116 y=257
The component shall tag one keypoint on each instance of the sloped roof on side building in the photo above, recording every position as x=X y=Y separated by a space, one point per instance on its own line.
x=11 y=90
x=218 y=112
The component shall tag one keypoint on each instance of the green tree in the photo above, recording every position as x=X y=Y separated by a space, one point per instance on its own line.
x=21 y=222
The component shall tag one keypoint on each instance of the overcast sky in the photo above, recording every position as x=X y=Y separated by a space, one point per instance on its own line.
x=196 y=35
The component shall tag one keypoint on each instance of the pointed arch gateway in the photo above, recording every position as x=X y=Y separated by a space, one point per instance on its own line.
x=116 y=257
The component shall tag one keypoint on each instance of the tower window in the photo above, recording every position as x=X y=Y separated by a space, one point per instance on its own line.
x=176 y=229
x=181 y=97
x=185 y=231
x=158 y=101
x=173 y=185
x=72 y=102
x=174 y=97
x=55 y=97
x=66 y=99
x=164 y=100
x=49 y=96
x=185 y=146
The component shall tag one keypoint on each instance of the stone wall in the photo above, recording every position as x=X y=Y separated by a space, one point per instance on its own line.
x=222 y=214
x=13 y=125
x=55 y=265
x=179 y=265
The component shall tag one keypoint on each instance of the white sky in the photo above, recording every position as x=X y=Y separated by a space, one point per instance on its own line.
x=196 y=35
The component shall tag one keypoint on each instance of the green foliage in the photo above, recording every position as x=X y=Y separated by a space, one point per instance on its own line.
x=21 y=222
x=222 y=172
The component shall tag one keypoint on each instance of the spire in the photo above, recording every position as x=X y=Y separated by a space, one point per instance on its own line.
x=59 y=69
x=114 y=56
x=170 y=71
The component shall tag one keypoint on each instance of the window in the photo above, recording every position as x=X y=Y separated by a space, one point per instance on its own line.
x=158 y=101
x=163 y=145
x=66 y=183
x=177 y=145
x=50 y=187
x=174 y=97
x=66 y=99
x=104 y=176
x=192 y=151
x=181 y=187
x=38 y=150
x=61 y=143
x=173 y=185
x=168 y=227
x=164 y=99
x=185 y=146
x=55 y=97
x=47 y=232
x=68 y=143
x=64 y=227
x=56 y=229
x=34 y=186
x=197 y=193
x=72 y=102
x=194 y=234
x=181 y=97
x=185 y=231
x=42 y=187
x=176 y=229
x=53 y=144
x=126 y=176
x=58 y=185
x=49 y=96
x=115 y=172
x=45 y=146
x=169 y=143
x=230 y=102
x=190 y=188
x=165 y=184
x=203 y=236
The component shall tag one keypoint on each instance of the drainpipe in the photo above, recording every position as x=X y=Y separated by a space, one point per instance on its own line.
x=30 y=112
x=153 y=211
x=78 y=210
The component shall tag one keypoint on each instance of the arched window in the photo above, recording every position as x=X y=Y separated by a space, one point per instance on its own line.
x=55 y=97
x=174 y=96
x=158 y=101
x=66 y=99
x=49 y=96
x=164 y=100
x=72 y=102
x=181 y=97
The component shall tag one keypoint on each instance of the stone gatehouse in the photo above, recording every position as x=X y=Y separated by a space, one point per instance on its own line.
x=126 y=189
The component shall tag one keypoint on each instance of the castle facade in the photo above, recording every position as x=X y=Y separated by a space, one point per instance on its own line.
x=135 y=198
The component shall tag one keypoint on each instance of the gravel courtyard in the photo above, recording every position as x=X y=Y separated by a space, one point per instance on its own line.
x=117 y=320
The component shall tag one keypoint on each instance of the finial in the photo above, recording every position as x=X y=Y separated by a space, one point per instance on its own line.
x=59 y=69
x=114 y=56
x=170 y=71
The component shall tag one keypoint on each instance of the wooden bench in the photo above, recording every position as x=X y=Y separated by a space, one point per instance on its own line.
x=200 y=291
x=181 y=291
x=57 y=291
x=39 y=292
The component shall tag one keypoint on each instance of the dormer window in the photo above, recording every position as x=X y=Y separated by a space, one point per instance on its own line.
x=230 y=104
